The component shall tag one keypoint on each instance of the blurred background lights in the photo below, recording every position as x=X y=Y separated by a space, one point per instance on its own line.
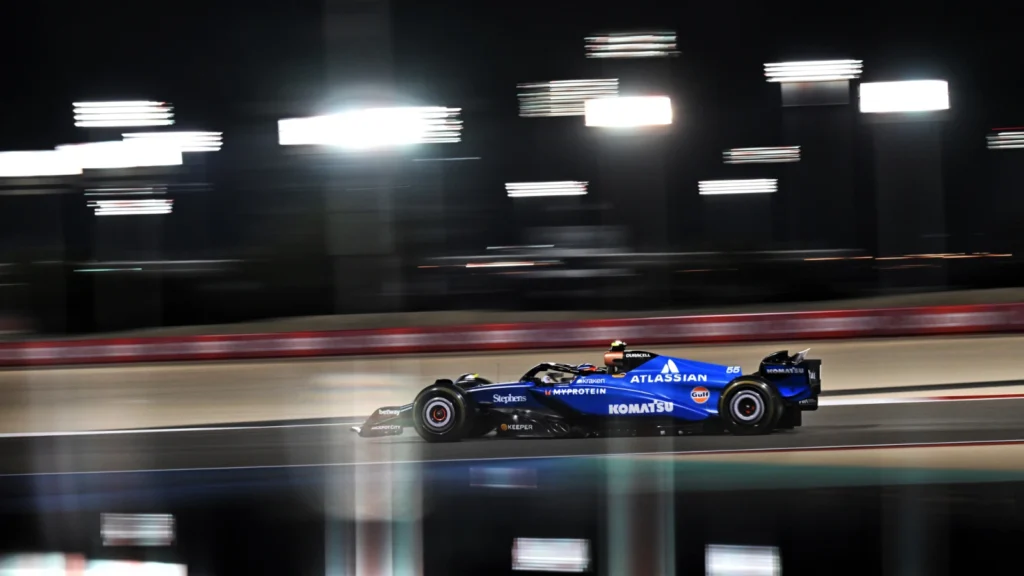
x=123 y=154
x=551 y=555
x=532 y=189
x=907 y=96
x=185 y=141
x=131 y=207
x=137 y=529
x=122 y=114
x=562 y=97
x=766 y=155
x=140 y=568
x=631 y=45
x=742 y=561
x=813 y=71
x=749 y=186
x=38 y=163
x=629 y=112
x=1006 y=139
x=374 y=128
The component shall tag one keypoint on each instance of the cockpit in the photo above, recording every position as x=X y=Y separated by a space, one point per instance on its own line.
x=614 y=358
x=552 y=373
x=619 y=360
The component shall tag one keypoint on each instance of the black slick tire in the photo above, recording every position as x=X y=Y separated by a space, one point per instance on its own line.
x=442 y=413
x=750 y=406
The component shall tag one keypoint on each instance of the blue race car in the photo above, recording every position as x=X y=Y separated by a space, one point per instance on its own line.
x=634 y=393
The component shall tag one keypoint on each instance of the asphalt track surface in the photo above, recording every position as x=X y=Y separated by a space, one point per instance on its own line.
x=333 y=443
x=171 y=394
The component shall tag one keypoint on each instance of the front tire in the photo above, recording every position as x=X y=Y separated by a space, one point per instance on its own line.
x=442 y=414
x=749 y=406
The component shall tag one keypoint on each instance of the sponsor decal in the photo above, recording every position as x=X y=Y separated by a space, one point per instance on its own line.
x=386 y=427
x=654 y=407
x=508 y=399
x=507 y=427
x=579 y=391
x=813 y=374
x=389 y=412
x=618 y=375
x=781 y=370
x=590 y=381
x=669 y=373
x=652 y=378
x=639 y=355
x=700 y=394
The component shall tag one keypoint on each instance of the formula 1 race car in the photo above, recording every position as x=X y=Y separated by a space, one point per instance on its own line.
x=634 y=393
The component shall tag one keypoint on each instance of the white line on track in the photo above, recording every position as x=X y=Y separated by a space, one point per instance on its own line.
x=910 y=400
x=173 y=430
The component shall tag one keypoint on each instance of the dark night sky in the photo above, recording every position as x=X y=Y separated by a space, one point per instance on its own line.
x=212 y=58
x=227 y=64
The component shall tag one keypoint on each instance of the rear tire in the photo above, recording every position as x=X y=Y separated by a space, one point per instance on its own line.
x=749 y=406
x=442 y=413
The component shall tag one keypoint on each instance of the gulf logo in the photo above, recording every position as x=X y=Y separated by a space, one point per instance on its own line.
x=700 y=394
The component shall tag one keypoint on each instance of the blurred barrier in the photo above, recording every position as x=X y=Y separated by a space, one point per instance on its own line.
x=939 y=320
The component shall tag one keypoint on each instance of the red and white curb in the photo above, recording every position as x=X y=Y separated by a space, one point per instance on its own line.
x=645 y=332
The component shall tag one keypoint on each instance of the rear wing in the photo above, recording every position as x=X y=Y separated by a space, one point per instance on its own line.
x=780 y=365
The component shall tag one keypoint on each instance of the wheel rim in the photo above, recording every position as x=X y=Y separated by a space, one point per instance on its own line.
x=439 y=415
x=747 y=407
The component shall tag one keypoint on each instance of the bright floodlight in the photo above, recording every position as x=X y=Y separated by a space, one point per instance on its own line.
x=631 y=45
x=562 y=97
x=629 y=111
x=123 y=154
x=767 y=155
x=38 y=163
x=131 y=207
x=909 y=96
x=1006 y=139
x=186 y=141
x=122 y=114
x=533 y=189
x=751 y=186
x=374 y=128
x=815 y=71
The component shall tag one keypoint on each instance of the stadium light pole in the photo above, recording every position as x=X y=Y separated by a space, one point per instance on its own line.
x=819 y=205
x=372 y=526
x=1006 y=166
x=906 y=120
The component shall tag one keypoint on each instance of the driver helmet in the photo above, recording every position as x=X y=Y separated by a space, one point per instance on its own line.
x=586 y=368
x=617 y=346
x=547 y=379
